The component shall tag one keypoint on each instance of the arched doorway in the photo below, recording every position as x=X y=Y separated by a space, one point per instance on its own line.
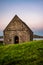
x=16 y=39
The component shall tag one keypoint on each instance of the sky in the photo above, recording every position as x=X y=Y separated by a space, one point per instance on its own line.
x=30 y=11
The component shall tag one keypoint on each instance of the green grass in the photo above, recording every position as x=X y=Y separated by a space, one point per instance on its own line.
x=29 y=53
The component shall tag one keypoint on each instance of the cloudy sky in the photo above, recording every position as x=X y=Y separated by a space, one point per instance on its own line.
x=30 y=11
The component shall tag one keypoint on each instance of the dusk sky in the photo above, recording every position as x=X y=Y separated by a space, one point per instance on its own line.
x=30 y=11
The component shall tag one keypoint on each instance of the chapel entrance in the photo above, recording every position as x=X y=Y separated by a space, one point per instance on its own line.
x=16 y=39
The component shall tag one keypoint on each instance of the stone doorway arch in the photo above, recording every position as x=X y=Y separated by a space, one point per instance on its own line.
x=16 y=39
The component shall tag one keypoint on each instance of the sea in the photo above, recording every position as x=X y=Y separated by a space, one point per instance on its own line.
x=37 y=38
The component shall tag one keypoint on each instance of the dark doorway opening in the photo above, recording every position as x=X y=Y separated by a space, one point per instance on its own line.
x=16 y=39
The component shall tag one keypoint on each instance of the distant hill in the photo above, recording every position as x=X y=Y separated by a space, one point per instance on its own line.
x=37 y=36
x=1 y=37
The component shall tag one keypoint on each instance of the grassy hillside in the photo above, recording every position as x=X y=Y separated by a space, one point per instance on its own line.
x=29 y=53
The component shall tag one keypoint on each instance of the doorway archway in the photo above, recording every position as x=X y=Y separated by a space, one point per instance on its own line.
x=16 y=39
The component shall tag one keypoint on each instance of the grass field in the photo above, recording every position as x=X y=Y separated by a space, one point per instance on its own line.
x=29 y=53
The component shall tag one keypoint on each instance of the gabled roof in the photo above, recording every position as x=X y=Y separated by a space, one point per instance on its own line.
x=16 y=17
